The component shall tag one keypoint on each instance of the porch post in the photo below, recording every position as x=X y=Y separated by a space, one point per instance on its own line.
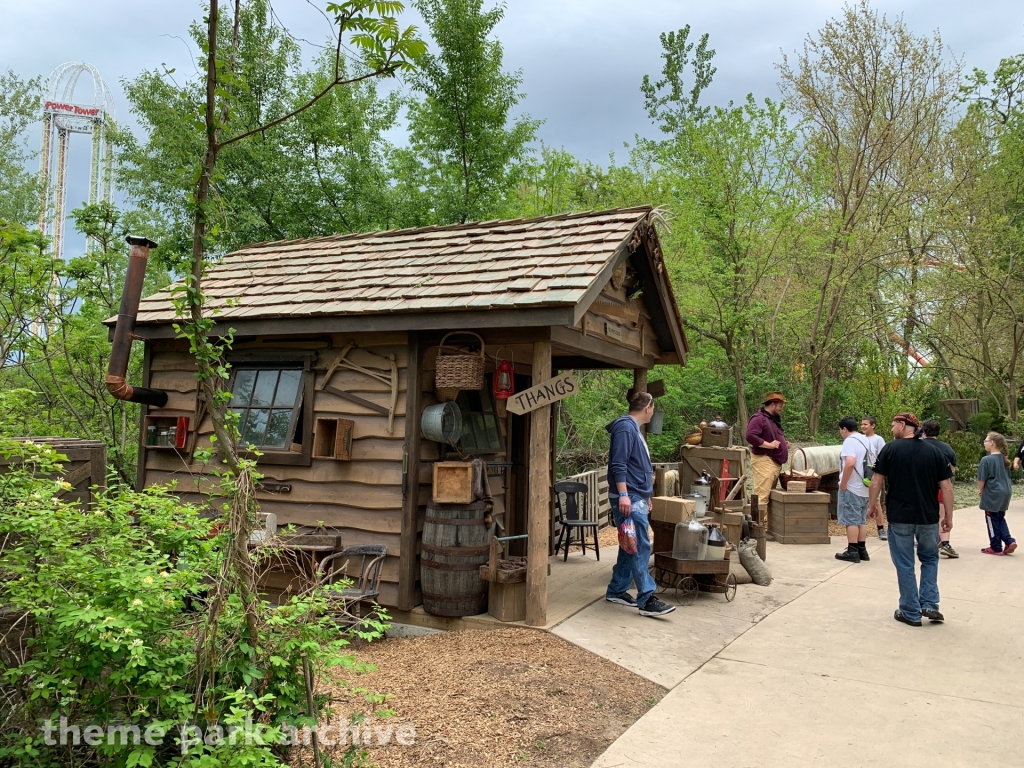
x=540 y=496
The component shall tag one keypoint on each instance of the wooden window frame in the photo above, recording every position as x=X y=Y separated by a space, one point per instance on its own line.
x=271 y=359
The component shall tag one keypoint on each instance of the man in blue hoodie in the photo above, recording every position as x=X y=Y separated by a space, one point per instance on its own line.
x=631 y=484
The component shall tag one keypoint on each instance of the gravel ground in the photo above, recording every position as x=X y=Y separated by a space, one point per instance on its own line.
x=496 y=698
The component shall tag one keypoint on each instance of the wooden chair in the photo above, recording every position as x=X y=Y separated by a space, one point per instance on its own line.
x=567 y=514
x=361 y=564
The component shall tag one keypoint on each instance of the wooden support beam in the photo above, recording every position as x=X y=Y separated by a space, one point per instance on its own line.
x=540 y=497
x=407 y=570
x=573 y=342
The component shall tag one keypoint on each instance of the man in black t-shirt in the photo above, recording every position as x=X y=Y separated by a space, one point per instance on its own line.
x=914 y=472
x=930 y=431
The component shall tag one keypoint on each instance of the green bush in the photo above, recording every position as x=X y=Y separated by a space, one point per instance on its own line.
x=112 y=601
x=969 y=450
x=981 y=423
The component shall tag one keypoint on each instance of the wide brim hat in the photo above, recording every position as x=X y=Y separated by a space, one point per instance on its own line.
x=773 y=397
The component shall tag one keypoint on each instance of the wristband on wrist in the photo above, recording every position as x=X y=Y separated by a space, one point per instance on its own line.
x=623 y=495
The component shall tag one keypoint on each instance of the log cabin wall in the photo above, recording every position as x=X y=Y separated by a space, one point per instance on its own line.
x=363 y=497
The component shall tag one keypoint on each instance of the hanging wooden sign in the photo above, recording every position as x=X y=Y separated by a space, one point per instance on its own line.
x=545 y=393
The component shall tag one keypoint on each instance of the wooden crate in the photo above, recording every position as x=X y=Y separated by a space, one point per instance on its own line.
x=85 y=468
x=507 y=602
x=453 y=482
x=332 y=438
x=799 y=518
x=716 y=437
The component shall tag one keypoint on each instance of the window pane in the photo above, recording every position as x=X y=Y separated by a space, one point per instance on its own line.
x=263 y=394
x=244 y=381
x=277 y=433
x=255 y=427
x=287 y=389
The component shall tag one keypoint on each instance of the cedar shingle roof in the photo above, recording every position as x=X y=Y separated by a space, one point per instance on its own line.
x=543 y=262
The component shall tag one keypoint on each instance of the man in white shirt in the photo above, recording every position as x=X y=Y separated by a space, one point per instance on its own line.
x=875 y=445
x=853 y=494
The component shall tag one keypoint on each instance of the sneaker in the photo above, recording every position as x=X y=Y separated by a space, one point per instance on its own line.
x=848 y=556
x=624 y=599
x=864 y=555
x=1010 y=548
x=933 y=615
x=654 y=607
x=900 y=617
x=948 y=551
x=883 y=534
x=990 y=551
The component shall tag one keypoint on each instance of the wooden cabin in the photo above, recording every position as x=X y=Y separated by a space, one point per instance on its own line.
x=578 y=291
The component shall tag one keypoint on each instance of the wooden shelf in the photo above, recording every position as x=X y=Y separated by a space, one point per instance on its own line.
x=166 y=433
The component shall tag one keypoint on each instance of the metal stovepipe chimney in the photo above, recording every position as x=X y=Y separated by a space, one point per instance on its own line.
x=124 y=331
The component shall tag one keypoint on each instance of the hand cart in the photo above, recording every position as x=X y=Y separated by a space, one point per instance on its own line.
x=687 y=577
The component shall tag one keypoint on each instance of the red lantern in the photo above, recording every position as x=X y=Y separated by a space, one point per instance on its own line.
x=504 y=378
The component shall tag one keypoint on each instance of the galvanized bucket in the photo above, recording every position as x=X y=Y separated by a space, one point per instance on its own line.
x=442 y=422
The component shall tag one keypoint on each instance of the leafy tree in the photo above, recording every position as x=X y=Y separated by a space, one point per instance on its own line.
x=66 y=366
x=460 y=130
x=371 y=27
x=19 y=189
x=27 y=274
x=877 y=100
x=978 y=335
x=321 y=172
x=670 y=106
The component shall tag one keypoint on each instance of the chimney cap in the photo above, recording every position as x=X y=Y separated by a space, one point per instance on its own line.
x=143 y=241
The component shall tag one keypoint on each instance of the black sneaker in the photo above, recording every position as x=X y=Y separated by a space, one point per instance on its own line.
x=900 y=617
x=624 y=599
x=654 y=607
x=848 y=556
x=863 y=555
x=933 y=615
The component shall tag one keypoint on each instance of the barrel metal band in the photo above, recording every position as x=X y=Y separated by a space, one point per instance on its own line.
x=472 y=598
x=456 y=551
x=455 y=520
x=436 y=566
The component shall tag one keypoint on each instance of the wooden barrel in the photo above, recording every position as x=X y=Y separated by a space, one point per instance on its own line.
x=456 y=542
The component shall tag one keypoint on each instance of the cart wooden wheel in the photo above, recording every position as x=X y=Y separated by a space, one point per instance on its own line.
x=730 y=587
x=686 y=590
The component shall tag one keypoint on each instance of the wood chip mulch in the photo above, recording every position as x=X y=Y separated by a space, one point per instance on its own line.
x=499 y=697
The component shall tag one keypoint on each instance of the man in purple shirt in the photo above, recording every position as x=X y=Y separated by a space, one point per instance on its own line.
x=768 y=446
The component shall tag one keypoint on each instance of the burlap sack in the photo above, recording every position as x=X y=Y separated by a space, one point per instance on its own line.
x=753 y=564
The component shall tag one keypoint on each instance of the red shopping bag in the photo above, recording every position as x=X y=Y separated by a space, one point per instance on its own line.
x=627 y=537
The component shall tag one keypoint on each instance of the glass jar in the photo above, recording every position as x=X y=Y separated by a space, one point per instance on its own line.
x=690 y=541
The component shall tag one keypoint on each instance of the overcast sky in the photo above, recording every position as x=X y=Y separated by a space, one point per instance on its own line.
x=582 y=60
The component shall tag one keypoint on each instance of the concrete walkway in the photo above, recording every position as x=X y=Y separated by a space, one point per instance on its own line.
x=814 y=670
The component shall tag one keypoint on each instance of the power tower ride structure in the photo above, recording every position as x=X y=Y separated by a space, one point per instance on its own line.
x=61 y=118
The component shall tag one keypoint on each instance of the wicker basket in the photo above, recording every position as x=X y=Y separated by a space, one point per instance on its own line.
x=459 y=370
x=446 y=394
x=694 y=439
x=812 y=481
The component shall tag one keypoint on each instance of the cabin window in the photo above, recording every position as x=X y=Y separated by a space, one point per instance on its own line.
x=268 y=402
x=480 y=430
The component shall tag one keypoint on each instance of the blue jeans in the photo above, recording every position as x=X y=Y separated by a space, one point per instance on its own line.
x=902 y=537
x=633 y=569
